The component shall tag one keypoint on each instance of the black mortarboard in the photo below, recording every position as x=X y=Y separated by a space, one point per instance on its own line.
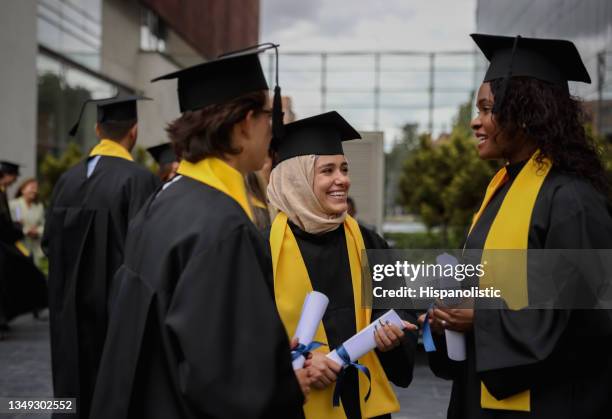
x=320 y=134
x=551 y=60
x=219 y=80
x=231 y=75
x=114 y=109
x=163 y=153
x=9 y=168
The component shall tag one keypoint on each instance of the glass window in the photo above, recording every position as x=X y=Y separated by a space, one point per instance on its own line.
x=72 y=28
x=61 y=92
x=153 y=32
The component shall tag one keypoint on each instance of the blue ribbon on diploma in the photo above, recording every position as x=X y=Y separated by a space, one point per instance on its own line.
x=303 y=350
x=428 y=341
x=344 y=356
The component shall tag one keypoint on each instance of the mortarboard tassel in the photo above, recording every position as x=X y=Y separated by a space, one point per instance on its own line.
x=75 y=127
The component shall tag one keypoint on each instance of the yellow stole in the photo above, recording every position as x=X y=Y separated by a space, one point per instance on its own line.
x=218 y=174
x=507 y=271
x=111 y=148
x=292 y=283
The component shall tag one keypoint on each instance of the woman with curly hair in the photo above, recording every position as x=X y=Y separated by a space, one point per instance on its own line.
x=523 y=360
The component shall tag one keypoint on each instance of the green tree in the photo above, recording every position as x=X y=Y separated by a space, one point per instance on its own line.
x=51 y=168
x=444 y=181
x=394 y=160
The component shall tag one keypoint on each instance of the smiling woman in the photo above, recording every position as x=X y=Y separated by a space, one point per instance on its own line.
x=331 y=183
x=317 y=246
x=551 y=194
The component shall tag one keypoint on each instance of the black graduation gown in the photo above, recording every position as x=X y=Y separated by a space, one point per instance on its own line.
x=22 y=285
x=564 y=357
x=195 y=331
x=85 y=231
x=326 y=259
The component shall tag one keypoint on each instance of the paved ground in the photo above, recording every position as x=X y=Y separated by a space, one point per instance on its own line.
x=25 y=371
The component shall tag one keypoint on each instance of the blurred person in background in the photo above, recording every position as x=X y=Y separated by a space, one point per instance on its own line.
x=30 y=214
x=22 y=286
x=85 y=232
x=166 y=160
x=256 y=189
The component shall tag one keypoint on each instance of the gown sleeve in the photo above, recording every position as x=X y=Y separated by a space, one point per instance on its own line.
x=229 y=336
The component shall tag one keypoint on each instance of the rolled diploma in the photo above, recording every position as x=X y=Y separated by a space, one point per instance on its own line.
x=313 y=310
x=455 y=341
x=363 y=342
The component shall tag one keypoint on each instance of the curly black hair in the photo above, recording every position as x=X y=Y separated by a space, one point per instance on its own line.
x=548 y=115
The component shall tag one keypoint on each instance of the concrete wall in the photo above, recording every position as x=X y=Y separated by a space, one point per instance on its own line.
x=366 y=170
x=120 y=40
x=153 y=116
x=18 y=49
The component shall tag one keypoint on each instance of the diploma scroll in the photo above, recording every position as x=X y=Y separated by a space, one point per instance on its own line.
x=455 y=341
x=363 y=342
x=313 y=310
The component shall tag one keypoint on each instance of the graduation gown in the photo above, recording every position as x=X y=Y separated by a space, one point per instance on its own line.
x=327 y=262
x=84 y=237
x=195 y=331
x=563 y=357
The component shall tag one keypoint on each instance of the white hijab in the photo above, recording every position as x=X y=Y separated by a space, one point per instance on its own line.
x=291 y=190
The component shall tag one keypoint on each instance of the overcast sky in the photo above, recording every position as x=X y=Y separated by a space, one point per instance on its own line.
x=422 y=25
x=384 y=25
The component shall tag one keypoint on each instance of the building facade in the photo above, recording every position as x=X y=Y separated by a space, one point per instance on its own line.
x=58 y=53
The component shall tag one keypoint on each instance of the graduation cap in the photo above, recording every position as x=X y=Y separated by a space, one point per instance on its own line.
x=554 y=61
x=231 y=75
x=320 y=134
x=9 y=168
x=114 y=109
x=163 y=153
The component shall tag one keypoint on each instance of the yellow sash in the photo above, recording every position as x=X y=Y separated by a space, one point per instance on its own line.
x=292 y=283
x=507 y=271
x=111 y=148
x=218 y=174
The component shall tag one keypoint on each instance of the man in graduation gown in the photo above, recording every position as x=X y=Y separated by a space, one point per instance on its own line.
x=194 y=331
x=86 y=226
x=524 y=361
x=22 y=285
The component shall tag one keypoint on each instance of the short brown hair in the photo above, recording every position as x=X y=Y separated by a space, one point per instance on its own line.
x=207 y=131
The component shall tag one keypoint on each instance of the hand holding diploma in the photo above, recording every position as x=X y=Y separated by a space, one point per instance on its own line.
x=388 y=336
x=313 y=310
x=363 y=342
x=322 y=370
x=302 y=374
